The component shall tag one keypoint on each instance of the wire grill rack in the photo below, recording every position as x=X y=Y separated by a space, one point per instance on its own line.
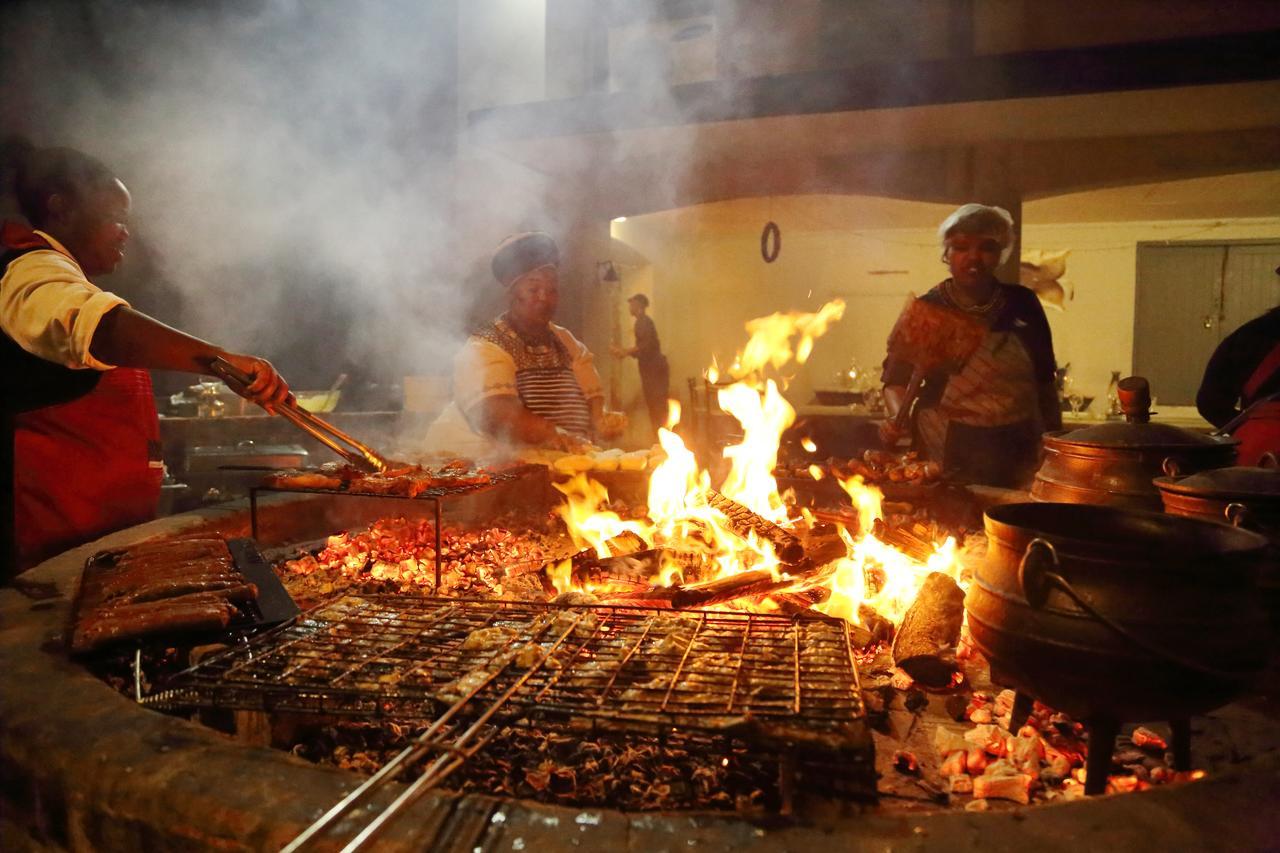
x=621 y=668
x=786 y=685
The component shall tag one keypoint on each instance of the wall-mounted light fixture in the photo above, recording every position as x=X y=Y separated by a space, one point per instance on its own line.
x=606 y=271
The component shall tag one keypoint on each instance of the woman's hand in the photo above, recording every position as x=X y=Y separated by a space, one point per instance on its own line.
x=611 y=424
x=564 y=440
x=890 y=434
x=267 y=387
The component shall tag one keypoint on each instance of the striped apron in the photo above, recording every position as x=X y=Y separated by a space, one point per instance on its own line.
x=545 y=381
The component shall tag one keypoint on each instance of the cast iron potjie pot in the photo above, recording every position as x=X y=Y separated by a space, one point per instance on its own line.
x=1112 y=614
x=1113 y=464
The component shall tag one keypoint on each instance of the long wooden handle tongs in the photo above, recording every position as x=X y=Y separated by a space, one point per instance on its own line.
x=355 y=452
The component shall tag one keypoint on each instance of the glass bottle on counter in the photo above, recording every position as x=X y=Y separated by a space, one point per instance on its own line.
x=1113 y=397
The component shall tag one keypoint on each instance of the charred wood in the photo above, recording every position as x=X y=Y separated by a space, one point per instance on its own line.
x=926 y=640
x=743 y=522
x=904 y=540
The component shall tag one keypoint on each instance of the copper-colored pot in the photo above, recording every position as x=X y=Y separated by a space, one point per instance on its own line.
x=1113 y=464
x=1246 y=497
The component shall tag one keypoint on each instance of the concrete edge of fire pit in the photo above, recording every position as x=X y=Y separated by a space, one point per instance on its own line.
x=82 y=767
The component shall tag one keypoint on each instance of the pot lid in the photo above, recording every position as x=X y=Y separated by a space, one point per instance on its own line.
x=1132 y=435
x=1237 y=481
x=1137 y=431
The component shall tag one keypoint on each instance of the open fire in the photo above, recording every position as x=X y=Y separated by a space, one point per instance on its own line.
x=745 y=547
x=693 y=533
x=867 y=576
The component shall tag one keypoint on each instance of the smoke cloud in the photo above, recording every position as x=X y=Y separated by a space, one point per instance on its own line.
x=290 y=162
x=303 y=183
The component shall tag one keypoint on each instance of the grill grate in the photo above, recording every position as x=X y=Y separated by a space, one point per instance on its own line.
x=786 y=686
x=624 y=668
x=434 y=496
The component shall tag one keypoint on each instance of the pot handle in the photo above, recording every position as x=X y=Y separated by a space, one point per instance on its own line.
x=1171 y=467
x=1037 y=574
x=1237 y=514
x=1033 y=574
x=1269 y=461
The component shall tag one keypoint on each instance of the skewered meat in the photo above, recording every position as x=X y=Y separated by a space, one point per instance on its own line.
x=402 y=480
x=875 y=466
x=493 y=637
x=302 y=480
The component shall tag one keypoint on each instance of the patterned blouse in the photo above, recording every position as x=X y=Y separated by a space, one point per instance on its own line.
x=997 y=386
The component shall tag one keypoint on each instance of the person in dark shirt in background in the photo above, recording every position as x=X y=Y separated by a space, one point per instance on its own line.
x=655 y=373
x=1244 y=372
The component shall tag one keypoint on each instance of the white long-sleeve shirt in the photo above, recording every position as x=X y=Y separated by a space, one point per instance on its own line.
x=51 y=309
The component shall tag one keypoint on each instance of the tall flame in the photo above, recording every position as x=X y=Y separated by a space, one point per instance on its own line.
x=590 y=524
x=877 y=574
x=681 y=520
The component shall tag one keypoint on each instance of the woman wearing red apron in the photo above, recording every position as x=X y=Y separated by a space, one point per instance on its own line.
x=79 y=437
x=1242 y=383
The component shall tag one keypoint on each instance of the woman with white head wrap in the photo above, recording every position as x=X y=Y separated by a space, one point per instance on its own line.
x=984 y=422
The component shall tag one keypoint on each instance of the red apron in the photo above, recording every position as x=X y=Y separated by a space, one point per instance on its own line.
x=1260 y=432
x=87 y=467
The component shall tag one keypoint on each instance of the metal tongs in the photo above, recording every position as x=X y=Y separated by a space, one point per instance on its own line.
x=355 y=452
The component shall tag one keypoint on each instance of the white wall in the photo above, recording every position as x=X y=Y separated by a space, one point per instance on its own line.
x=501 y=53
x=1095 y=333
x=706 y=287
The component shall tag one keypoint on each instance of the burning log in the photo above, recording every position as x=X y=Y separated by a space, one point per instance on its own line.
x=756 y=583
x=743 y=521
x=803 y=601
x=904 y=540
x=742 y=585
x=818 y=548
x=881 y=628
x=926 y=639
x=822 y=544
x=634 y=568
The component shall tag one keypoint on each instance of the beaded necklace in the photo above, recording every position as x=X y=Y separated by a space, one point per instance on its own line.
x=996 y=300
